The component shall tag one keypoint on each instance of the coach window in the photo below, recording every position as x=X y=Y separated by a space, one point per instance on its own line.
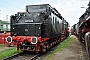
x=4 y=26
x=9 y=27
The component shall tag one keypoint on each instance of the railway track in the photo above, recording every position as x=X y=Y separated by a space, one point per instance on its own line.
x=23 y=56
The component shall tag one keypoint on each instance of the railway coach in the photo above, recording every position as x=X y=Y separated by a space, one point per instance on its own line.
x=37 y=29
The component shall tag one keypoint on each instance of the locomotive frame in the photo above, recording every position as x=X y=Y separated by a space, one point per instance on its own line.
x=38 y=29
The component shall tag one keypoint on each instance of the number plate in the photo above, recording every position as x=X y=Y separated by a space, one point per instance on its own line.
x=28 y=20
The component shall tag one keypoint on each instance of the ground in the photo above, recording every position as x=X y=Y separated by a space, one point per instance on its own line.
x=74 y=51
x=4 y=48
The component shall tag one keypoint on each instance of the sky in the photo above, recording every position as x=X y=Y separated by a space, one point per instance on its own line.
x=70 y=9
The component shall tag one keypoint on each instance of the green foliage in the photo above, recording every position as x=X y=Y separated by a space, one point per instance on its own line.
x=7 y=53
x=61 y=45
x=2 y=45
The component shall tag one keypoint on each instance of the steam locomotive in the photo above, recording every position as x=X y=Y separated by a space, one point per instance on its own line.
x=75 y=29
x=37 y=29
x=84 y=29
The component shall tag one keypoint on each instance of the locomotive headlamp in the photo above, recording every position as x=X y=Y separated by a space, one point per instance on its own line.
x=39 y=28
x=24 y=14
x=19 y=14
x=38 y=14
x=34 y=40
x=9 y=39
x=13 y=28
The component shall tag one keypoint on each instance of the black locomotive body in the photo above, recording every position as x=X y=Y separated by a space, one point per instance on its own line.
x=84 y=24
x=84 y=29
x=38 y=20
x=75 y=29
x=37 y=29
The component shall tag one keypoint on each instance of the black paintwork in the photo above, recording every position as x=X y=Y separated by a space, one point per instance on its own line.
x=38 y=20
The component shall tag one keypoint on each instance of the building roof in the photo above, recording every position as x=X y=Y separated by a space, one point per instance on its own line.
x=4 y=22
